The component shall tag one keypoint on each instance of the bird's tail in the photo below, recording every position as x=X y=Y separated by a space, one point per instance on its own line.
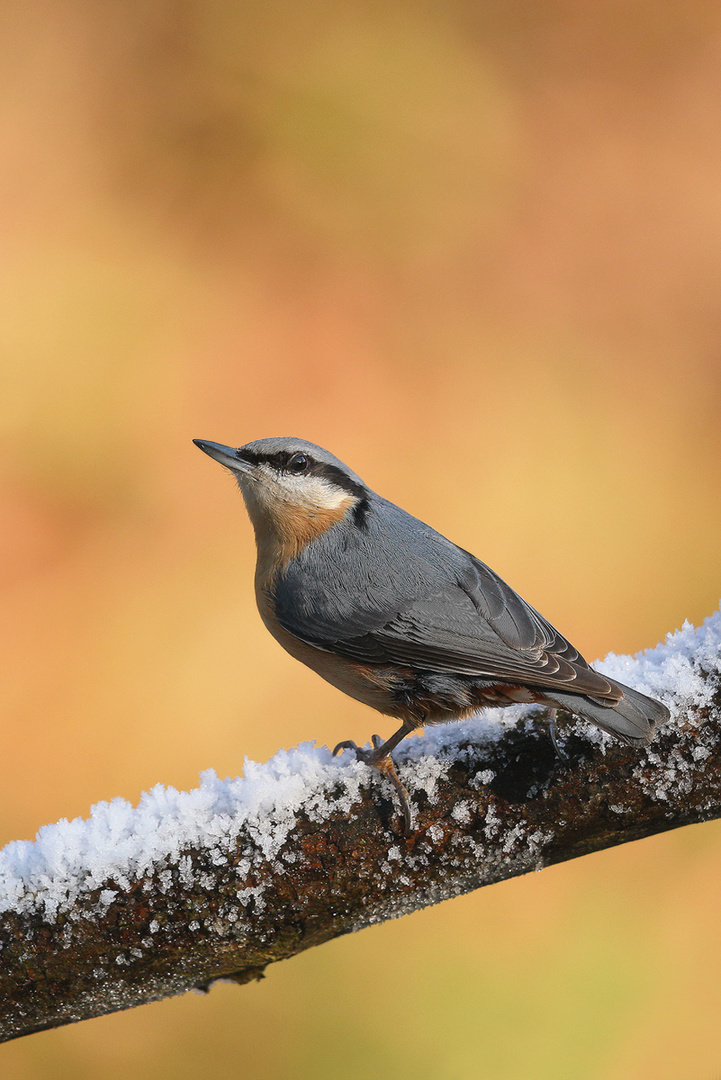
x=633 y=719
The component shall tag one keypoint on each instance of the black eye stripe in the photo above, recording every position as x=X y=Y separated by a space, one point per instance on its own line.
x=339 y=478
x=281 y=459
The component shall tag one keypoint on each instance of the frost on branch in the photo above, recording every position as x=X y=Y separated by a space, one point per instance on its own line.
x=137 y=903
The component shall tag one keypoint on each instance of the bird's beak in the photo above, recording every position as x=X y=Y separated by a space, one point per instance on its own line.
x=226 y=455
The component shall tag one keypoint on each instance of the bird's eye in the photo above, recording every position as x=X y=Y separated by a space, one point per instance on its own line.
x=298 y=464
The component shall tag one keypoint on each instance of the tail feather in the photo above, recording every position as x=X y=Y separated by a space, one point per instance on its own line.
x=633 y=719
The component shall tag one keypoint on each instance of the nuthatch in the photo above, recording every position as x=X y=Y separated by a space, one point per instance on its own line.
x=389 y=611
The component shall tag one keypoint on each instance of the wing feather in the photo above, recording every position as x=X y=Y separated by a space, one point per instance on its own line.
x=474 y=625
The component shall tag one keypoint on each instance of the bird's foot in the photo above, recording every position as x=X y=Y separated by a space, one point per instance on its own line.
x=554 y=736
x=380 y=758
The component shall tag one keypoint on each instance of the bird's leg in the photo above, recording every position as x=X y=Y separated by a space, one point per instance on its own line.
x=380 y=758
x=554 y=735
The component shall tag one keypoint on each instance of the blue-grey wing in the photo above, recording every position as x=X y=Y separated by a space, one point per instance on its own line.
x=447 y=632
x=451 y=614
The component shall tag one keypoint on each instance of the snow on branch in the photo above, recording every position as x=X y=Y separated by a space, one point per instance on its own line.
x=138 y=903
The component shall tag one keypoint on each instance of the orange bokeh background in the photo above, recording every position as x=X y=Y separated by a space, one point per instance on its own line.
x=474 y=250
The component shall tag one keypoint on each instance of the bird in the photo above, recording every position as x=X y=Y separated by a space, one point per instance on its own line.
x=392 y=613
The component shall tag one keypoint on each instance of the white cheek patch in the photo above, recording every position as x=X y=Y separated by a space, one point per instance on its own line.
x=312 y=491
x=270 y=492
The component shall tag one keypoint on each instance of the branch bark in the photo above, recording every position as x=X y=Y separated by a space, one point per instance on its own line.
x=225 y=907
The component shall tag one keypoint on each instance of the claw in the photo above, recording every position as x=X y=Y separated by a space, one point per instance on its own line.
x=563 y=756
x=383 y=762
x=348 y=744
x=386 y=766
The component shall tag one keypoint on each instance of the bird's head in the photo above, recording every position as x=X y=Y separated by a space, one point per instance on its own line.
x=294 y=490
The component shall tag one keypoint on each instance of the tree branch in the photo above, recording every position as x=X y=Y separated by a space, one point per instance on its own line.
x=136 y=904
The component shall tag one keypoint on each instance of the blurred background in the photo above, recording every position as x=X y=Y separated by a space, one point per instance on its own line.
x=473 y=248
